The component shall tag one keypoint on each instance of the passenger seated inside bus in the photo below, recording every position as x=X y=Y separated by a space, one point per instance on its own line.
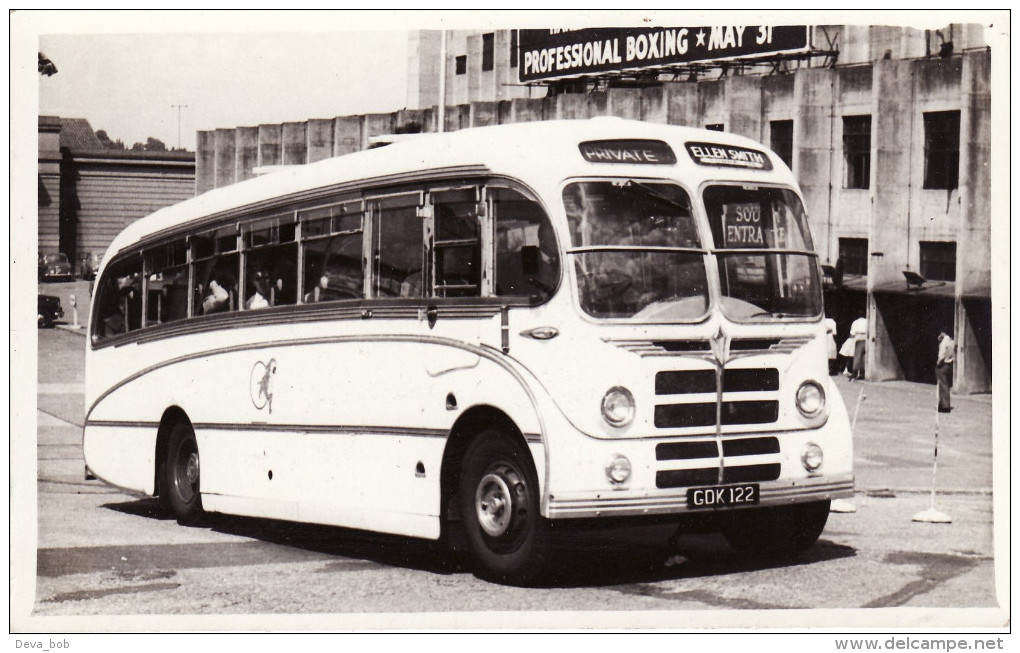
x=318 y=293
x=123 y=311
x=217 y=298
x=260 y=299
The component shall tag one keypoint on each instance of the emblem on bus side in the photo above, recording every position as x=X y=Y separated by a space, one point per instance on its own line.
x=261 y=384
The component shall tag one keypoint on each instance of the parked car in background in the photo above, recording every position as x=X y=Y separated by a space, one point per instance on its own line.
x=90 y=264
x=49 y=310
x=55 y=267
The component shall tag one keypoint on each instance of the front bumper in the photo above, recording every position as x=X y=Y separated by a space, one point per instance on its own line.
x=773 y=493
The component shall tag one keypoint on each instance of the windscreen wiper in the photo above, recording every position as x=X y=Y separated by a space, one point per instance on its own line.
x=654 y=194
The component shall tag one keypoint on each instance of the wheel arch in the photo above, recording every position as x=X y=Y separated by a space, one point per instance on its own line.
x=473 y=421
x=171 y=416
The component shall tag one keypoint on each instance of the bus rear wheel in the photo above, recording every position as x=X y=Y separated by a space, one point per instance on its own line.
x=775 y=533
x=180 y=487
x=498 y=495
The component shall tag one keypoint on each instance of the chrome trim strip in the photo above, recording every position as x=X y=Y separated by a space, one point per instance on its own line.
x=676 y=500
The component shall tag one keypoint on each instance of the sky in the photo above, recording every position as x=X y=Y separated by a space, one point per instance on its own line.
x=128 y=84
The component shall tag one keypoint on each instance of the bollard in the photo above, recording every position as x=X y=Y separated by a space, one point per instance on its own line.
x=74 y=309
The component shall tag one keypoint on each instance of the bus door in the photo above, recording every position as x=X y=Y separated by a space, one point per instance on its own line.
x=458 y=263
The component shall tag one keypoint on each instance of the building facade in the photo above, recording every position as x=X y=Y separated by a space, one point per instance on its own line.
x=88 y=194
x=887 y=129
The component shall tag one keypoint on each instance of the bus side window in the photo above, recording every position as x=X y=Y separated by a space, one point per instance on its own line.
x=270 y=263
x=332 y=243
x=527 y=258
x=398 y=234
x=215 y=268
x=457 y=245
x=119 y=302
x=167 y=287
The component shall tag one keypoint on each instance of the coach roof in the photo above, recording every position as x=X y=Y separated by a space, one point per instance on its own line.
x=517 y=149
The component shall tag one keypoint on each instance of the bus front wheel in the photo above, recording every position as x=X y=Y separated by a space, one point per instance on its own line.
x=780 y=532
x=181 y=475
x=498 y=494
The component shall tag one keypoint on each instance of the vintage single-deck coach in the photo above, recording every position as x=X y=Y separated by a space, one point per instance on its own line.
x=474 y=335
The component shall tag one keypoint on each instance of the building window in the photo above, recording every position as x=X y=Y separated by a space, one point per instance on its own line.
x=461 y=63
x=941 y=149
x=854 y=254
x=513 y=48
x=938 y=261
x=857 y=150
x=715 y=127
x=487 y=50
x=781 y=133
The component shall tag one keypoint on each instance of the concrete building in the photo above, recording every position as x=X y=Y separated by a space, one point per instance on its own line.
x=887 y=129
x=88 y=194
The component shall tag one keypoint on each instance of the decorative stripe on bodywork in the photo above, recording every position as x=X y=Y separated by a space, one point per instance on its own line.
x=482 y=351
x=399 y=431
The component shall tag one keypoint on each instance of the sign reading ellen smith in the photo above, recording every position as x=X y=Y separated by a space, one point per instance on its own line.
x=557 y=53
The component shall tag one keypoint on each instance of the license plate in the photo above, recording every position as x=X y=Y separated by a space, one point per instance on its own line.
x=723 y=496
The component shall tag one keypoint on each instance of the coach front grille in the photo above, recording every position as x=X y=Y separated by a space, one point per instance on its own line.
x=707 y=453
x=734 y=411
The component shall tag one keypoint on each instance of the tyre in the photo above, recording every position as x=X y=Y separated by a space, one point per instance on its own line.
x=781 y=532
x=180 y=486
x=498 y=495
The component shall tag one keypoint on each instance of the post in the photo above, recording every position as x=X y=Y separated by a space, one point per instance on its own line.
x=441 y=127
x=74 y=310
x=179 y=107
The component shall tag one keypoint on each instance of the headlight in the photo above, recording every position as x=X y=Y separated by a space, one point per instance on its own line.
x=618 y=406
x=810 y=399
x=812 y=457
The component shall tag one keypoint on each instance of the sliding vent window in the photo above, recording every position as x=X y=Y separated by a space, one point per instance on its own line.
x=119 y=301
x=332 y=239
x=270 y=272
x=457 y=244
x=397 y=237
x=527 y=256
x=166 y=269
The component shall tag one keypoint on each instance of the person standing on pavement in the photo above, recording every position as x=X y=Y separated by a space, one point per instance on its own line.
x=944 y=370
x=859 y=332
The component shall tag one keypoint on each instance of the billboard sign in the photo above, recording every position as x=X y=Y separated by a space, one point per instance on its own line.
x=548 y=54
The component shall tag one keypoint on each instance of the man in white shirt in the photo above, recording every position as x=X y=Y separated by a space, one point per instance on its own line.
x=944 y=370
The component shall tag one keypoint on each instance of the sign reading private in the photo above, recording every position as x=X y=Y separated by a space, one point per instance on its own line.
x=546 y=54
x=730 y=156
x=628 y=151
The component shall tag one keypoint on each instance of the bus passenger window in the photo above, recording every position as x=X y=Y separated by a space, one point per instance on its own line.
x=270 y=263
x=167 y=286
x=119 y=302
x=527 y=257
x=332 y=243
x=397 y=249
x=215 y=268
x=457 y=245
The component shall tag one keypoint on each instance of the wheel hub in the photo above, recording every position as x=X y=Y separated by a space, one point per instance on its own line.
x=494 y=505
x=191 y=468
